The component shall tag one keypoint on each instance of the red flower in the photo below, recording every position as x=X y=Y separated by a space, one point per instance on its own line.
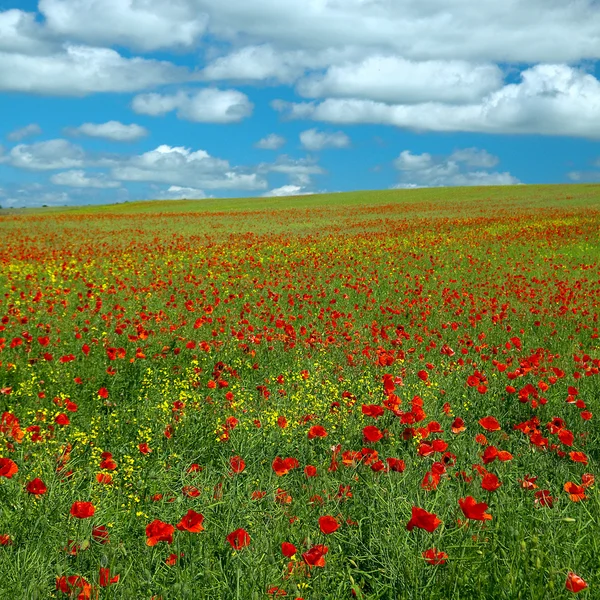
x=328 y=524
x=574 y=583
x=103 y=392
x=317 y=431
x=158 y=531
x=310 y=471
x=100 y=534
x=396 y=464
x=288 y=550
x=371 y=434
x=237 y=464
x=315 y=556
x=144 y=448
x=576 y=492
x=579 y=457
x=106 y=579
x=490 y=482
x=282 y=466
x=8 y=468
x=82 y=510
x=474 y=510
x=36 y=487
x=435 y=557
x=62 y=419
x=372 y=410
x=74 y=584
x=191 y=521
x=423 y=520
x=5 y=539
x=490 y=424
x=239 y=539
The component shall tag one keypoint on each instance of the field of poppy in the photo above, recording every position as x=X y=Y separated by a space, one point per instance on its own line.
x=371 y=395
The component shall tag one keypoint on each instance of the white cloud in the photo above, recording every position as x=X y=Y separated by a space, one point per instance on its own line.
x=396 y=80
x=21 y=33
x=520 y=31
x=424 y=170
x=549 y=100
x=111 y=130
x=78 y=179
x=209 y=105
x=407 y=161
x=286 y=190
x=299 y=170
x=81 y=70
x=182 y=167
x=314 y=140
x=47 y=155
x=176 y=192
x=146 y=25
x=270 y=142
x=473 y=157
x=23 y=132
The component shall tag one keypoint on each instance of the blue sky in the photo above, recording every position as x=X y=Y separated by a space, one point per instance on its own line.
x=115 y=100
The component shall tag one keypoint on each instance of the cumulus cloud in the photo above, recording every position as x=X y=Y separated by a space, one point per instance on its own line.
x=79 y=179
x=21 y=33
x=396 y=80
x=549 y=100
x=425 y=170
x=111 y=130
x=522 y=31
x=177 y=192
x=81 y=70
x=147 y=25
x=270 y=142
x=23 y=132
x=314 y=140
x=286 y=190
x=47 y=155
x=300 y=171
x=209 y=105
x=186 y=168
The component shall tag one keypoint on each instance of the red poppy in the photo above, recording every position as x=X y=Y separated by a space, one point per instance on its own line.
x=372 y=410
x=328 y=524
x=288 y=550
x=490 y=482
x=8 y=468
x=579 y=457
x=576 y=492
x=423 y=520
x=317 y=431
x=5 y=539
x=458 y=425
x=396 y=464
x=144 y=448
x=104 y=478
x=62 y=419
x=74 y=584
x=310 y=471
x=237 y=464
x=371 y=434
x=82 y=510
x=315 y=557
x=543 y=498
x=435 y=557
x=490 y=424
x=474 y=510
x=158 y=531
x=100 y=534
x=36 y=487
x=103 y=392
x=575 y=583
x=239 y=539
x=282 y=466
x=105 y=579
x=191 y=521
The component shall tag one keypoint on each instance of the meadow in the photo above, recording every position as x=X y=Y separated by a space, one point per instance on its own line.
x=368 y=395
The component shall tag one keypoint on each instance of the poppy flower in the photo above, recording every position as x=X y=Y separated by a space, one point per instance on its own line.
x=82 y=510
x=328 y=524
x=237 y=464
x=282 y=466
x=36 y=487
x=317 y=431
x=490 y=482
x=396 y=464
x=315 y=556
x=100 y=534
x=371 y=434
x=576 y=492
x=239 y=539
x=458 y=425
x=372 y=410
x=74 y=584
x=158 y=531
x=474 y=510
x=191 y=521
x=490 y=424
x=579 y=457
x=8 y=468
x=105 y=579
x=423 y=520
x=288 y=550
x=5 y=539
x=575 y=583
x=310 y=471
x=62 y=419
x=543 y=498
x=104 y=478
x=435 y=557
